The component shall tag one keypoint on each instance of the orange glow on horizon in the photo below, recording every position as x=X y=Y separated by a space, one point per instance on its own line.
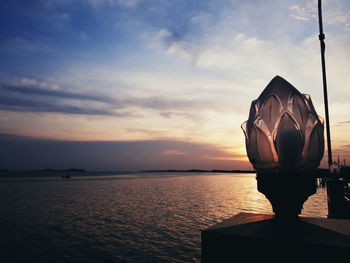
x=225 y=158
x=172 y=152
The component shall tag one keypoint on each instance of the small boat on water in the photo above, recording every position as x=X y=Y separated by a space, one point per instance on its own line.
x=67 y=176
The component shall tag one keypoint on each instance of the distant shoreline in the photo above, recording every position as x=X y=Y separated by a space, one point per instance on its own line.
x=83 y=172
x=197 y=171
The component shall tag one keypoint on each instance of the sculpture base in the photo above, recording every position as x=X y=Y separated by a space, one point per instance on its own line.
x=286 y=193
x=247 y=237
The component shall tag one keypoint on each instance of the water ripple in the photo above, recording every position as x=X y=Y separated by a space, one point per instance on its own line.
x=124 y=218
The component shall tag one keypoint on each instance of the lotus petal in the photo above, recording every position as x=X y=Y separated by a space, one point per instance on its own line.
x=315 y=147
x=270 y=111
x=252 y=147
x=266 y=152
x=300 y=111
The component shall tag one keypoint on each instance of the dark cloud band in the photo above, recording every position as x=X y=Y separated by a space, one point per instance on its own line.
x=21 y=152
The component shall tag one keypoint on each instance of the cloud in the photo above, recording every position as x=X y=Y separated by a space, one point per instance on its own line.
x=172 y=43
x=202 y=19
x=25 y=106
x=333 y=13
x=243 y=58
x=52 y=93
x=30 y=95
x=149 y=132
x=304 y=12
x=172 y=152
x=172 y=114
x=166 y=37
x=300 y=17
x=18 y=152
x=161 y=103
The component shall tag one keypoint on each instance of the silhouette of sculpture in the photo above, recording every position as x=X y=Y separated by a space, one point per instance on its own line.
x=285 y=144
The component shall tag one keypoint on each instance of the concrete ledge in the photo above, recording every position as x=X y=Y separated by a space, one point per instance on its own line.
x=251 y=237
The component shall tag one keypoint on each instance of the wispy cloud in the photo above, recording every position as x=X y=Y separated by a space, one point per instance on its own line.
x=53 y=93
x=333 y=12
x=25 y=106
x=304 y=12
x=344 y=122
x=29 y=95
x=172 y=114
x=23 y=94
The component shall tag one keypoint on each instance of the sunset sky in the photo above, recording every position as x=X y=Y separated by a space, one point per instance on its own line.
x=158 y=84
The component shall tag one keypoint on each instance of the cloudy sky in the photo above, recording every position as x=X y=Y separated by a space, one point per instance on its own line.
x=157 y=84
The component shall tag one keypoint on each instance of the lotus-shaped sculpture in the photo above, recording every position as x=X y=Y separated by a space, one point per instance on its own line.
x=283 y=132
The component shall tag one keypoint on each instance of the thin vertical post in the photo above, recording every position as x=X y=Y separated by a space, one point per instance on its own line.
x=321 y=37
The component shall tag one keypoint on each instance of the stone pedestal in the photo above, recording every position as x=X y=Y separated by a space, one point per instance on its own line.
x=249 y=237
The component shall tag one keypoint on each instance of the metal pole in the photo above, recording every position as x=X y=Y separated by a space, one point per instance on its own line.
x=321 y=37
x=335 y=189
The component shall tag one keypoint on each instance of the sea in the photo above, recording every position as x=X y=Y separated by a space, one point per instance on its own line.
x=125 y=217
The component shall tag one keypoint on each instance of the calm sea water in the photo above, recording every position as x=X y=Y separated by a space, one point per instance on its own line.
x=123 y=218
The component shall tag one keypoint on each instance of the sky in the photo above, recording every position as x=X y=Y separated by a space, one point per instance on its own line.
x=158 y=84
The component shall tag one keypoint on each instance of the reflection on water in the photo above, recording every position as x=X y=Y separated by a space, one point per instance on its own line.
x=124 y=218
